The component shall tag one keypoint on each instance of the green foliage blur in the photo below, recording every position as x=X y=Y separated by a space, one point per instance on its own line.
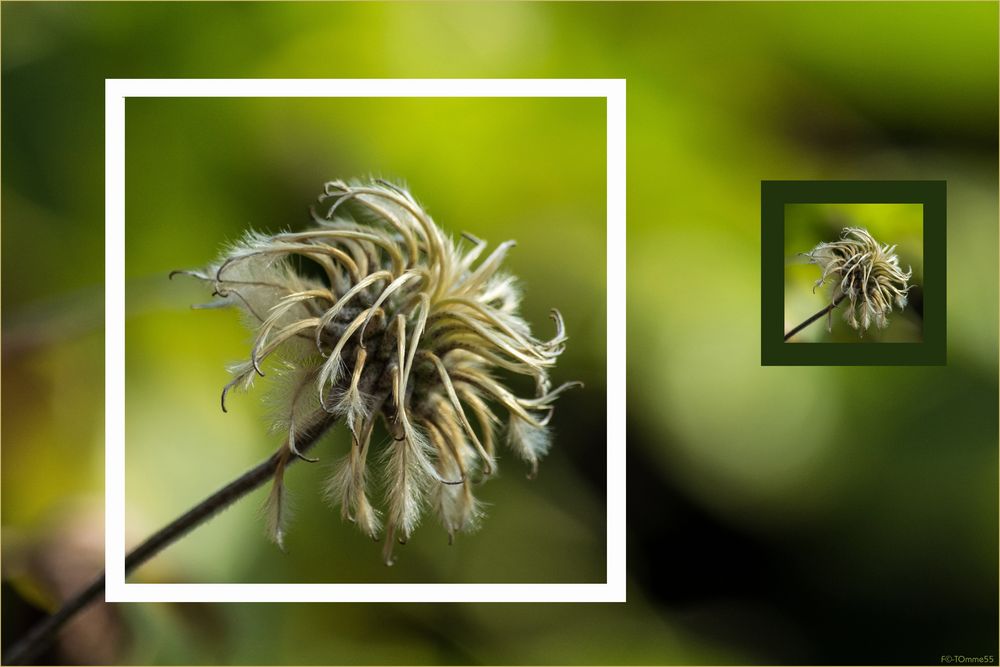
x=776 y=515
x=807 y=225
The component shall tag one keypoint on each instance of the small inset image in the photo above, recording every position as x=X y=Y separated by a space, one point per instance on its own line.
x=853 y=273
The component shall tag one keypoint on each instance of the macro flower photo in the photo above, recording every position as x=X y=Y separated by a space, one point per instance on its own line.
x=417 y=350
x=371 y=333
x=865 y=266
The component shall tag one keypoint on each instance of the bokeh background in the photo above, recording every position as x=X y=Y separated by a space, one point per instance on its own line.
x=807 y=225
x=785 y=515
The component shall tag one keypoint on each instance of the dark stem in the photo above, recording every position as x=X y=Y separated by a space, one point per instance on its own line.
x=836 y=302
x=39 y=637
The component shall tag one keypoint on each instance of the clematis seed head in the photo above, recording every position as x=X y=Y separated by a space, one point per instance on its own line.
x=374 y=315
x=864 y=272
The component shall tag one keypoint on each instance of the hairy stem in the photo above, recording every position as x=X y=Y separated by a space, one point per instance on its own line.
x=836 y=302
x=39 y=637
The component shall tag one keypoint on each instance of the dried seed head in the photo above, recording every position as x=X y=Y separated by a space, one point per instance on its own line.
x=395 y=321
x=864 y=271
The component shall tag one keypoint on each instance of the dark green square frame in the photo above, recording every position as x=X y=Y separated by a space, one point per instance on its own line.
x=773 y=197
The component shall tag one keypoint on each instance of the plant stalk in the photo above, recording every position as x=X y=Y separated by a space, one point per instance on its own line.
x=836 y=302
x=39 y=637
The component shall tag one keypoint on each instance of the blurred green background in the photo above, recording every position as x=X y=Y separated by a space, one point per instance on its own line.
x=775 y=514
x=807 y=225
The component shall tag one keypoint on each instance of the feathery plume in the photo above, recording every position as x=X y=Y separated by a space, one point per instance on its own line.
x=382 y=317
x=866 y=273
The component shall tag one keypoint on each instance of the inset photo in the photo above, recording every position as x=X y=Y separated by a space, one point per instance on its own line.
x=376 y=330
x=853 y=272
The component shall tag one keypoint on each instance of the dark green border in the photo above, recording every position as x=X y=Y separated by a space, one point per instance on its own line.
x=773 y=197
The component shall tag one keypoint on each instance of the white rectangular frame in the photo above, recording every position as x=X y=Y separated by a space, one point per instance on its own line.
x=116 y=92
